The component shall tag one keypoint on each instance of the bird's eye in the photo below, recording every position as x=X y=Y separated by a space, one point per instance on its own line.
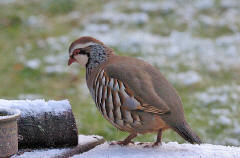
x=76 y=52
x=79 y=51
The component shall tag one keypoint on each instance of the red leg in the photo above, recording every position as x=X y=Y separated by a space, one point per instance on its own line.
x=159 y=138
x=158 y=141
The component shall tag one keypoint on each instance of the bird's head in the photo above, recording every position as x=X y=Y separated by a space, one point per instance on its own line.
x=82 y=49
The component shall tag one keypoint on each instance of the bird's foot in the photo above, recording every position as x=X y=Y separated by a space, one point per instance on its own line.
x=150 y=145
x=122 y=143
x=153 y=145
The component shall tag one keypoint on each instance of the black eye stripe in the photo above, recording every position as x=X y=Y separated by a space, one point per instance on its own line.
x=79 y=51
x=82 y=52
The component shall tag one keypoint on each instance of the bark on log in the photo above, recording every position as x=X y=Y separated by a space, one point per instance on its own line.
x=47 y=130
x=48 y=124
x=81 y=148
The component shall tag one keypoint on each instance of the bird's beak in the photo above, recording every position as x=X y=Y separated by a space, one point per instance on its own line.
x=71 y=60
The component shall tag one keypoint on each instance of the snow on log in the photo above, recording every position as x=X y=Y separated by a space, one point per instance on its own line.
x=44 y=124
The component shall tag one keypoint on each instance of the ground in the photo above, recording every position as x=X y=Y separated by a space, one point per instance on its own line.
x=167 y=150
x=195 y=44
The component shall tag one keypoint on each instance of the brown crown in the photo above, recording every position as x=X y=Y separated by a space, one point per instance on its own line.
x=85 y=39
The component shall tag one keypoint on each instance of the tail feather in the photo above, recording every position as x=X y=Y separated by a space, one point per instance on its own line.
x=186 y=133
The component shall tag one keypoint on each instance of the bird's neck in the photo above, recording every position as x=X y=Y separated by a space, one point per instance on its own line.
x=99 y=54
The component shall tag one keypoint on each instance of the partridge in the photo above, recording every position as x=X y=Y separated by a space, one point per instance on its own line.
x=130 y=93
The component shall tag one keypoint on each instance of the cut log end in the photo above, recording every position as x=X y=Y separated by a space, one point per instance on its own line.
x=44 y=124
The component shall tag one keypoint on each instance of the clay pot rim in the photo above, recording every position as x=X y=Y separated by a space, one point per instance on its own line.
x=14 y=114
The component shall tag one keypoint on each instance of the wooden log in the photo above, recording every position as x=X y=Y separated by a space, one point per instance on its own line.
x=44 y=124
x=82 y=148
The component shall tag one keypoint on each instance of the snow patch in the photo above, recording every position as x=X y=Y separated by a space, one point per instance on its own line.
x=221 y=106
x=7 y=1
x=185 y=78
x=223 y=94
x=118 y=18
x=224 y=120
x=204 y=4
x=35 y=21
x=29 y=96
x=33 y=64
x=179 y=48
x=55 y=69
x=58 y=43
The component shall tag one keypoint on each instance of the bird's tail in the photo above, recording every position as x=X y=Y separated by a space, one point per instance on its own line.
x=186 y=133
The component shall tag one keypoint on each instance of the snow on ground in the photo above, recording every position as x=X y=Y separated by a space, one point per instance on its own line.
x=29 y=96
x=34 y=63
x=36 y=21
x=36 y=107
x=186 y=78
x=136 y=22
x=48 y=153
x=57 y=63
x=7 y=1
x=223 y=94
x=167 y=150
x=178 y=48
x=221 y=105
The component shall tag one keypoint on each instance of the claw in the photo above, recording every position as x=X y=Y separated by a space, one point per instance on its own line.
x=150 y=145
x=156 y=144
x=122 y=143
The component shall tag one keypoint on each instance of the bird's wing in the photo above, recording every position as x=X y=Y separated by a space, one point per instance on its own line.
x=131 y=88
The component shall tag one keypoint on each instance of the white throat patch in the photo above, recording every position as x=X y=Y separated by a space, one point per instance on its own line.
x=78 y=46
x=82 y=59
